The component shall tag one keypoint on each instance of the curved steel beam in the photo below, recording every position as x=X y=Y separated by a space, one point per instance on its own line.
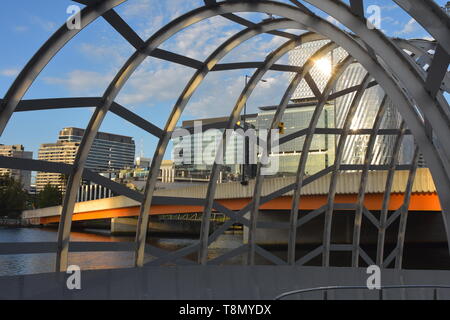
x=266 y=152
x=375 y=69
x=405 y=211
x=108 y=98
x=189 y=90
x=363 y=183
x=387 y=195
x=300 y=175
x=193 y=17
x=337 y=163
x=257 y=76
x=394 y=58
x=431 y=17
x=84 y=102
x=42 y=57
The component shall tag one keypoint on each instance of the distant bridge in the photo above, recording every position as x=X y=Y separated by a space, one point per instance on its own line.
x=235 y=196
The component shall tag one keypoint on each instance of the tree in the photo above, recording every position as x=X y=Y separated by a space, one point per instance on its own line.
x=13 y=199
x=50 y=196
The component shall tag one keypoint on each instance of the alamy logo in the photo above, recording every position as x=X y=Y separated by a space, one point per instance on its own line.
x=74 y=21
x=74 y=280
x=226 y=147
x=374 y=280
x=374 y=17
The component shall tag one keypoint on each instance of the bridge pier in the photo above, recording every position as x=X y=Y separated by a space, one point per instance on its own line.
x=125 y=225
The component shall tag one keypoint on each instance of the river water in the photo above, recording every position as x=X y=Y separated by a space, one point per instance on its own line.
x=416 y=257
x=41 y=263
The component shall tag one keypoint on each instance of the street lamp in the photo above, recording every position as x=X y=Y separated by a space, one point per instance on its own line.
x=244 y=169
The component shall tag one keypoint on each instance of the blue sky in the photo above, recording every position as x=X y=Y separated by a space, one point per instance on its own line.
x=87 y=64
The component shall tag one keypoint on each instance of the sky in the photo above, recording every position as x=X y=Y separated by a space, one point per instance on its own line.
x=86 y=65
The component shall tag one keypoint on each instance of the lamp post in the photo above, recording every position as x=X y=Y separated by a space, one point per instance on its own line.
x=244 y=166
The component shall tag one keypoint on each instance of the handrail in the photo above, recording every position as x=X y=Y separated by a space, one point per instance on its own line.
x=301 y=291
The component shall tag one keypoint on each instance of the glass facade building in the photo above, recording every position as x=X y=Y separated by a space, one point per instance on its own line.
x=298 y=116
x=356 y=145
x=109 y=152
x=322 y=149
x=199 y=148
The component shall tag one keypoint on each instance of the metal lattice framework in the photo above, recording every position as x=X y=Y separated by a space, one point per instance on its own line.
x=416 y=92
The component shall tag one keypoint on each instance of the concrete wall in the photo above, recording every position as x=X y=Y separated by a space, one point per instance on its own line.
x=221 y=282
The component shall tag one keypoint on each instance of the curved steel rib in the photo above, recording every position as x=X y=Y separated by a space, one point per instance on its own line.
x=43 y=56
x=409 y=78
x=266 y=152
x=257 y=76
x=300 y=175
x=337 y=163
x=387 y=195
x=363 y=182
x=404 y=210
x=179 y=107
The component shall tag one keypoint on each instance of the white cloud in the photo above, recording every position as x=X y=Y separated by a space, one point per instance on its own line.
x=410 y=27
x=150 y=86
x=46 y=25
x=11 y=72
x=219 y=93
x=202 y=38
x=20 y=28
x=82 y=82
x=116 y=54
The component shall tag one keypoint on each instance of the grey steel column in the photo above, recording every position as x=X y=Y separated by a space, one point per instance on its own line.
x=405 y=210
x=193 y=84
x=266 y=152
x=337 y=163
x=300 y=175
x=395 y=59
x=387 y=194
x=257 y=76
x=108 y=99
x=363 y=183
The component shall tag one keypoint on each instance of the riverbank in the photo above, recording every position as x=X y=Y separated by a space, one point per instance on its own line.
x=15 y=223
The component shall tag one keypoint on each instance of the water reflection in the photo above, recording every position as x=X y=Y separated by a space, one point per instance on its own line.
x=416 y=256
x=41 y=263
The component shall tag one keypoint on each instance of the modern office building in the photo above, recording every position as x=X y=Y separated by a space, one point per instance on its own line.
x=298 y=116
x=109 y=152
x=17 y=151
x=203 y=143
x=295 y=118
x=64 y=152
x=355 y=147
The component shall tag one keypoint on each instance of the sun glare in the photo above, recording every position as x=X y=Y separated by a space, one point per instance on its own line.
x=324 y=66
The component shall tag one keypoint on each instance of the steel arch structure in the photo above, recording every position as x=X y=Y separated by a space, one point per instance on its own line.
x=417 y=94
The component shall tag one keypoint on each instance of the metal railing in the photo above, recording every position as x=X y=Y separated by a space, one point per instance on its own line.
x=381 y=290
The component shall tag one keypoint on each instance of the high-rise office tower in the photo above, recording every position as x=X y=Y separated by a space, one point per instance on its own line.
x=109 y=152
x=17 y=151
x=355 y=147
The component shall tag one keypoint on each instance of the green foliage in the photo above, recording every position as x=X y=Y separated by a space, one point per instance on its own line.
x=50 y=196
x=13 y=199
